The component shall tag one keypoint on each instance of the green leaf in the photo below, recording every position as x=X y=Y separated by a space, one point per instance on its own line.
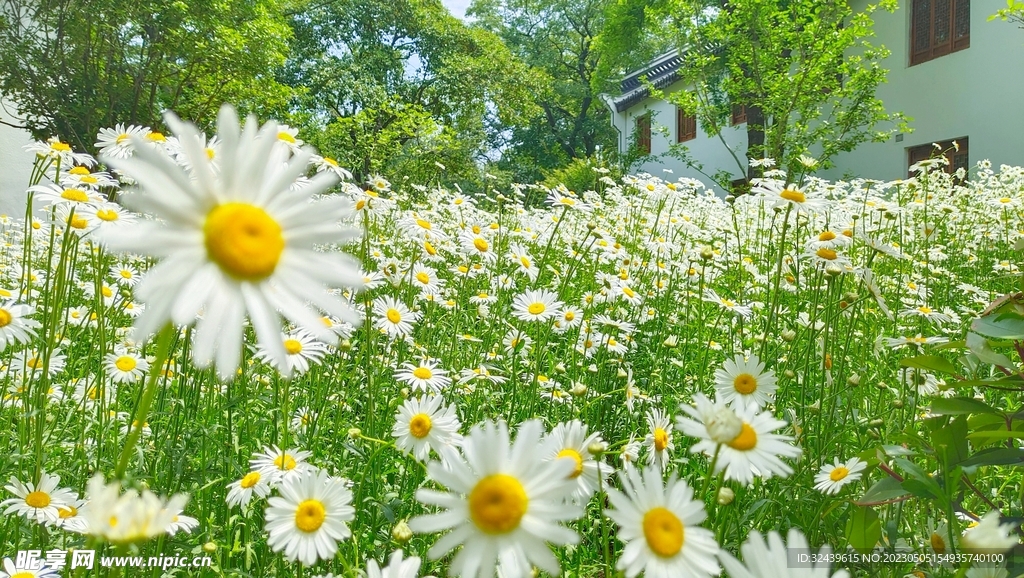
x=996 y=435
x=930 y=363
x=864 y=529
x=960 y=406
x=980 y=347
x=950 y=442
x=996 y=457
x=1000 y=326
x=885 y=489
x=921 y=489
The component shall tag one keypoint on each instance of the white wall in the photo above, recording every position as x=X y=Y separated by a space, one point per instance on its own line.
x=975 y=92
x=15 y=164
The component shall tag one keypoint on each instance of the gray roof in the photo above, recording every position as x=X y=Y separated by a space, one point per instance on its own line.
x=661 y=72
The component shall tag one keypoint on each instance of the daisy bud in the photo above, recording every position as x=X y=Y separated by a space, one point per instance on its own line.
x=622 y=373
x=789 y=373
x=882 y=385
x=345 y=345
x=853 y=380
x=401 y=532
x=560 y=368
x=592 y=368
x=404 y=392
x=851 y=296
x=591 y=226
x=578 y=389
x=833 y=270
x=210 y=547
x=355 y=433
x=597 y=449
x=724 y=426
x=897 y=403
x=707 y=253
x=730 y=199
x=814 y=407
x=788 y=335
x=725 y=496
x=670 y=341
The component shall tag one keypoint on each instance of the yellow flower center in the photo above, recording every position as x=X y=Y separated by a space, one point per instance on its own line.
x=394 y=316
x=123 y=137
x=536 y=308
x=576 y=457
x=38 y=499
x=839 y=474
x=629 y=292
x=243 y=240
x=285 y=462
x=746 y=440
x=422 y=373
x=23 y=575
x=423 y=278
x=938 y=543
x=826 y=236
x=331 y=161
x=156 y=137
x=660 y=439
x=250 y=480
x=107 y=214
x=292 y=346
x=34 y=363
x=79 y=171
x=360 y=204
x=745 y=383
x=89 y=179
x=793 y=195
x=1005 y=200
x=125 y=274
x=107 y=291
x=569 y=316
x=423 y=224
x=497 y=504
x=664 y=532
x=827 y=254
x=310 y=515
x=125 y=363
x=77 y=222
x=210 y=153
x=429 y=248
x=419 y=425
x=286 y=137
x=5 y=318
x=60 y=147
x=481 y=244
x=76 y=195
x=67 y=512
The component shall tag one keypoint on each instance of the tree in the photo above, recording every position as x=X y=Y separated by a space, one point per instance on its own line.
x=555 y=38
x=805 y=70
x=1014 y=12
x=72 y=68
x=389 y=83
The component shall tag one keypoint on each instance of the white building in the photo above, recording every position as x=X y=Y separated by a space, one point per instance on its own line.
x=957 y=75
x=15 y=163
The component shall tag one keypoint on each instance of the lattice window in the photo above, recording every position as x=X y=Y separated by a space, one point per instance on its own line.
x=958 y=156
x=643 y=133
x=686 y=126
x=739 y=114
x=939 y=27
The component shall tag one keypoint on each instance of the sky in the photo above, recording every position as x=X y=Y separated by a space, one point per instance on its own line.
x=457 y=7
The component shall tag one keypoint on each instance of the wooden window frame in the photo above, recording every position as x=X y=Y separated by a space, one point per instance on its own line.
x=643 y=133
x=686 y=126
x=957 y=158
x=953 y=42
x=739 y=114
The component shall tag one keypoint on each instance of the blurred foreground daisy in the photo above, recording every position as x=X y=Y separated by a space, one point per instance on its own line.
x=235 y=242
x=505 y=502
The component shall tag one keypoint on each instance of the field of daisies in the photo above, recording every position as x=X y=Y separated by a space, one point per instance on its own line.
x=221 y=346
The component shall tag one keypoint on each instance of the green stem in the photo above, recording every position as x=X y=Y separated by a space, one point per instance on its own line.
x=163 y=343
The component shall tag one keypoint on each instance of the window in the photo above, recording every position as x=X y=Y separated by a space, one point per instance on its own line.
x=938 y=27
x=686 y=126
x=739 y=114
x=643 y=133
x=739 y=187
x=957 y=158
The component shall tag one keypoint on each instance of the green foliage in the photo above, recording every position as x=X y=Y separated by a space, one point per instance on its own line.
x=555 y=39
x=74 y=67
x=397 y=86
x=1014 y=12
x=582 y=174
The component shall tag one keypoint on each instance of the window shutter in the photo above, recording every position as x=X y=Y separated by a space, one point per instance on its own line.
x=739 y=114
x=921 y=31
x=939 y=27
x=961 y=24
x=686 y=126
x=643 y=133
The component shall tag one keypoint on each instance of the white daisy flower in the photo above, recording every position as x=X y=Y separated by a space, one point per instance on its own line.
x=772 y=559
x=659 y=525
x=396 y=568
x=277 y=465
x=572 y=441
x=117 y=142
x=422 y=424
x=745 y=382
x=833 y=477
x=235 y=243
x=990 y=535
x=659 y=439
x=181 y=523
x=57 y=149
x=536 y=305
x=503 y=504
x=301 y=350
x=424 y=376
x=308 y=519
x=124 y=366
x=15 y=325
x=240 y=492
x=393 y=317
x=40 y=502
x=12 y=571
